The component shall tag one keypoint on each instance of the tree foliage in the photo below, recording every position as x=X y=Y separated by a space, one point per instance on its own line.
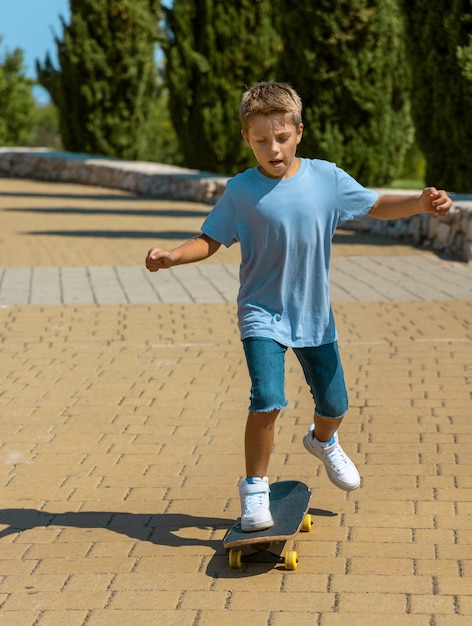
x=46 y=128
x=17 y=109
x=107 y=78
x=162 y=145
x=213 y=49
x=346 y=60
x=439 y=45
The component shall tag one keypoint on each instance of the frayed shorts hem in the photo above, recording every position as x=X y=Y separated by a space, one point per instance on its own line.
x=275 y=407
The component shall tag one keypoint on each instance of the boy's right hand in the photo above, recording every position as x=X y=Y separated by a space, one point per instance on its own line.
x=158 y=259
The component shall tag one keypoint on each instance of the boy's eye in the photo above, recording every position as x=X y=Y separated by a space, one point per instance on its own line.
x=279 y=140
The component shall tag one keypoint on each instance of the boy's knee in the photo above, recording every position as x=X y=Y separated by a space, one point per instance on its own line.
x=267 y=397
x=335 y=408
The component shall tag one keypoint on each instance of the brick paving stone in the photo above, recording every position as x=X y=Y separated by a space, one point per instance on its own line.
x=360 y=619
x=68 y=616
x=122 y=414
x=211 y=618
x=74 y=600
x=20 y=618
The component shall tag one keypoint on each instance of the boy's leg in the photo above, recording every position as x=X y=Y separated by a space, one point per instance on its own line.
x=258 y=442
x=324 y=374
x=266 y=364
x=326 y=427
x=254 y=491
x=266 y=361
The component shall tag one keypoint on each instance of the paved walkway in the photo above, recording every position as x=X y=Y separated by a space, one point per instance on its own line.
x=122 y=416
x=353 y=279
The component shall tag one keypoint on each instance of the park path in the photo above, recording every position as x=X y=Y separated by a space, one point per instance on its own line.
x=122 y=413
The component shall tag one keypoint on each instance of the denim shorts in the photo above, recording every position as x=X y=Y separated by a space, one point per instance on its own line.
x=321 y=366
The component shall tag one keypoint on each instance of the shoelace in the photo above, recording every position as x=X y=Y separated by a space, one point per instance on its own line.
x=254 y=501
x=337 y=457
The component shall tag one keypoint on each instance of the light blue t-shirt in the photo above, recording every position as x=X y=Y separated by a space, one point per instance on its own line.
x=285 y=228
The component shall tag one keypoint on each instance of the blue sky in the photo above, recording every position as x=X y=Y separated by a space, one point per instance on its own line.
x=31 y=25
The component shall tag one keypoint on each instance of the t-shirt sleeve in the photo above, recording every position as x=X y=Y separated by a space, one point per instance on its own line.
x=221 y=223
x=353 y=200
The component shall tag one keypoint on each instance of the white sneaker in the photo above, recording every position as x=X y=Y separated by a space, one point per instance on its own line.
x=341 y=470
x=255 y=504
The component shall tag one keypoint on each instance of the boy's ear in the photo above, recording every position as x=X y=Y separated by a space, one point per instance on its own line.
x=299 y=133
x=245 y=137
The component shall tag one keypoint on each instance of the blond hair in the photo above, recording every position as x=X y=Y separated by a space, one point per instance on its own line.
x=268 y=98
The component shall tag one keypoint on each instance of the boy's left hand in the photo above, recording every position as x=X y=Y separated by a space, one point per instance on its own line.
x=435 y=201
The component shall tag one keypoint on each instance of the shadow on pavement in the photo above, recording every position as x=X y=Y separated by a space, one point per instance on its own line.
x=115 y=234
x=160 y=529
x=117 y=212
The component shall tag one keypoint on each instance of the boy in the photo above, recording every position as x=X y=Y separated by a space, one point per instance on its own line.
x=284 y=213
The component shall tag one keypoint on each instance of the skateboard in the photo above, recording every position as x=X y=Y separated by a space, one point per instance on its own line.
x=289 y=500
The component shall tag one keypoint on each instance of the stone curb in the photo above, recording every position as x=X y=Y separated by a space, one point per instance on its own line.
x=140 y=177
x=451 y=235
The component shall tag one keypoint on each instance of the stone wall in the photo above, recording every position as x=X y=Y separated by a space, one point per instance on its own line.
x=450 y=235
x=143 y=178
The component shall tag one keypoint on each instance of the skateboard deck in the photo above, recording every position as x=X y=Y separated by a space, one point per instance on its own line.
x=289 y=500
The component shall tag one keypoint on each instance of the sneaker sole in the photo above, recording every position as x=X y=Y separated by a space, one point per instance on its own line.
x=255 y=527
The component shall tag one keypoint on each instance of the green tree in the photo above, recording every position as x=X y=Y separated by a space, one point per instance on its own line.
x=162 y=145
x=439 y=45
x=346 y=60
x=17 y=108
x=46 y=128
x=464 y=58
x=105 y=86
x=214 y=48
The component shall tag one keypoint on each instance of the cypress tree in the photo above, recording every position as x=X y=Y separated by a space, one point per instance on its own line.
x=346 y=60
x=107 y=77
x=17 y=109
x=213 y=49
x=439 y=45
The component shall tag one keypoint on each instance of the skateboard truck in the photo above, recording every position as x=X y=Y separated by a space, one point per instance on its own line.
x=263 y=554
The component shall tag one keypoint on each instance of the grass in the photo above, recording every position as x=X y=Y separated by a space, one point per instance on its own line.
x=407 y=183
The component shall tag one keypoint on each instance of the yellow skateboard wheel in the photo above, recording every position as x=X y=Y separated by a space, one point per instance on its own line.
x=291 y=560
x=307 y=523
x=235 y=558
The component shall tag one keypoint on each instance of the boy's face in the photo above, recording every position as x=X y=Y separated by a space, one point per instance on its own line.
x=274 y=140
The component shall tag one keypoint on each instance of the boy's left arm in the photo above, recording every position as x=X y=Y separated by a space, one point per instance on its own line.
x=431 y=200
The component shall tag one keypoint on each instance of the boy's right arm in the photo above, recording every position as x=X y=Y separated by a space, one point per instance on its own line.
x=195 y=249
